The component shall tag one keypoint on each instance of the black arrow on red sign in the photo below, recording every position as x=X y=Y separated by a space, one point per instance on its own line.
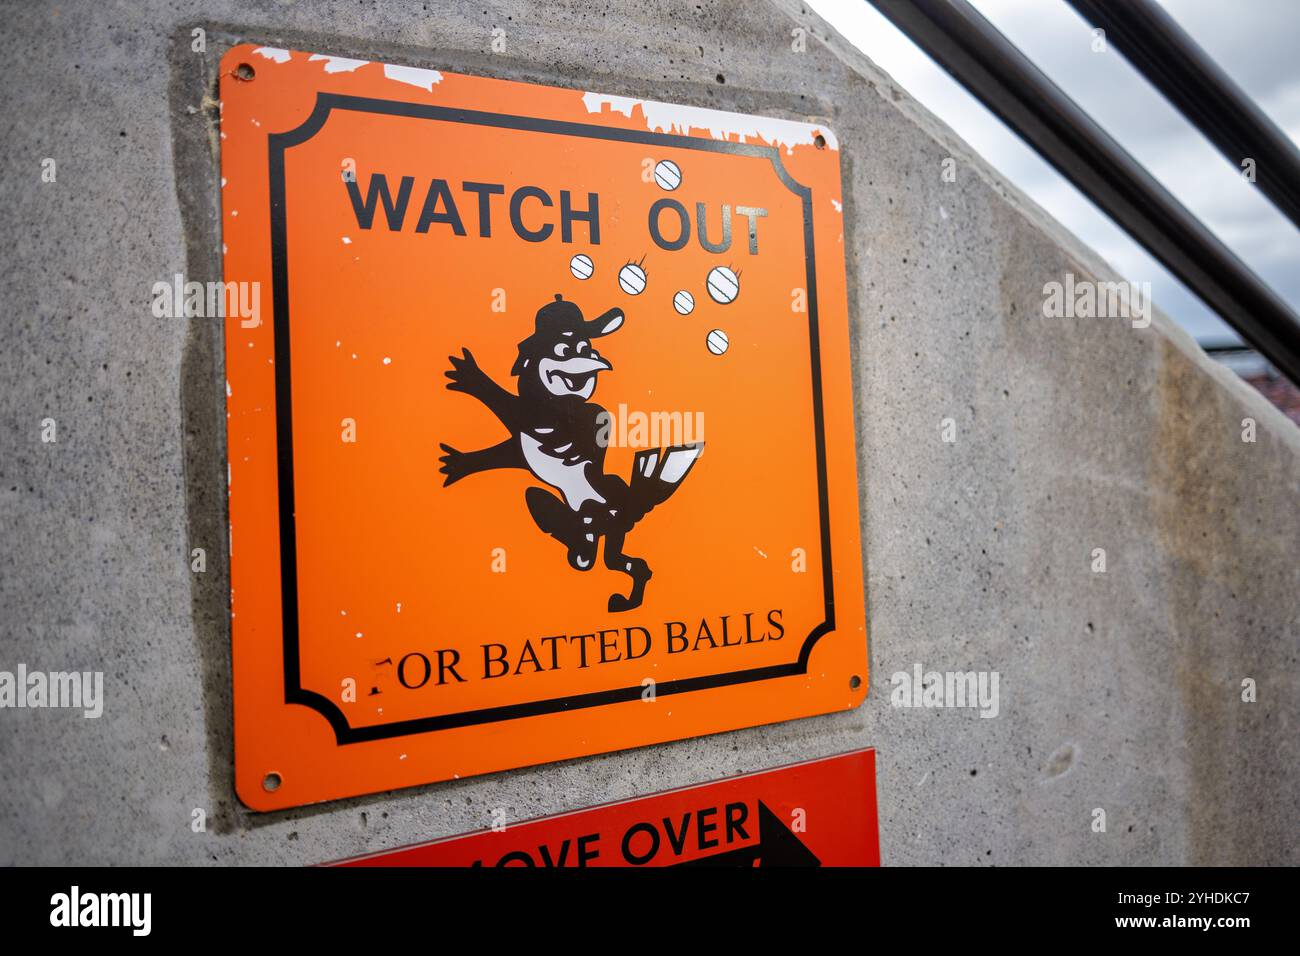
x=776 y=846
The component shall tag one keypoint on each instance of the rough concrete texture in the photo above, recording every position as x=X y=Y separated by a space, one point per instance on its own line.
x=1119 y=690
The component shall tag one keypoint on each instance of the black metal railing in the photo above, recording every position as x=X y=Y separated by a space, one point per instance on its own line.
x=988 y=65
x=1176 y=65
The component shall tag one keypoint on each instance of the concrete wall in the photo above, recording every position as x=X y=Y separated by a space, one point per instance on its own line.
x=1118 y=690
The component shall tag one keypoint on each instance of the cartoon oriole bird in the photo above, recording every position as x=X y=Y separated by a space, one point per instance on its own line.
x=555 y=433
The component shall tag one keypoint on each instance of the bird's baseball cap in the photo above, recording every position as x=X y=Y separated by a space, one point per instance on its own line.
x=561 y=320
x=564 y=319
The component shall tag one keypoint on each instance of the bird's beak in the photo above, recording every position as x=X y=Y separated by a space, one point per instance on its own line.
x=581 y=365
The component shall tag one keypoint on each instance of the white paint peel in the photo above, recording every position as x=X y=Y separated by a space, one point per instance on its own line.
x=337 y=64
x=671 y=118
x=839 y=206
x=273 y=53
x=424 y=79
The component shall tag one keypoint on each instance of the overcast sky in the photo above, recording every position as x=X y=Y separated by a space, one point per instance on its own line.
x=1257 y=42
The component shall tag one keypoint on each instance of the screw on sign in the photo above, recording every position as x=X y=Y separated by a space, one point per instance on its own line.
x=816 y=813
x=354 y=554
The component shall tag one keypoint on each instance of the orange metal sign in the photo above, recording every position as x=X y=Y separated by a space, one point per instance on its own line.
x=815 y=813
x=543 y=445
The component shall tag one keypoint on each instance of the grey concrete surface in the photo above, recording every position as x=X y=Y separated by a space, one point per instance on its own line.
x=1119 y=691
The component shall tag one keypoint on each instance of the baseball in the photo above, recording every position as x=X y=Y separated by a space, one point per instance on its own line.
x=684 y=302
x=717 y=341
x=667 y=174
x=631 y=279
x=581 y=267
x=724 y=285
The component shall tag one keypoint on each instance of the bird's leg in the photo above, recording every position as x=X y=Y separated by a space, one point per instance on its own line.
x=635 y=568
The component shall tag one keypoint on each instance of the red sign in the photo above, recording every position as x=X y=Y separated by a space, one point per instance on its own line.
x=816 y=813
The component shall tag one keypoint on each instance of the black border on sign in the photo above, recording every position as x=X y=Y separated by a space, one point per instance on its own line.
x=294 y=692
